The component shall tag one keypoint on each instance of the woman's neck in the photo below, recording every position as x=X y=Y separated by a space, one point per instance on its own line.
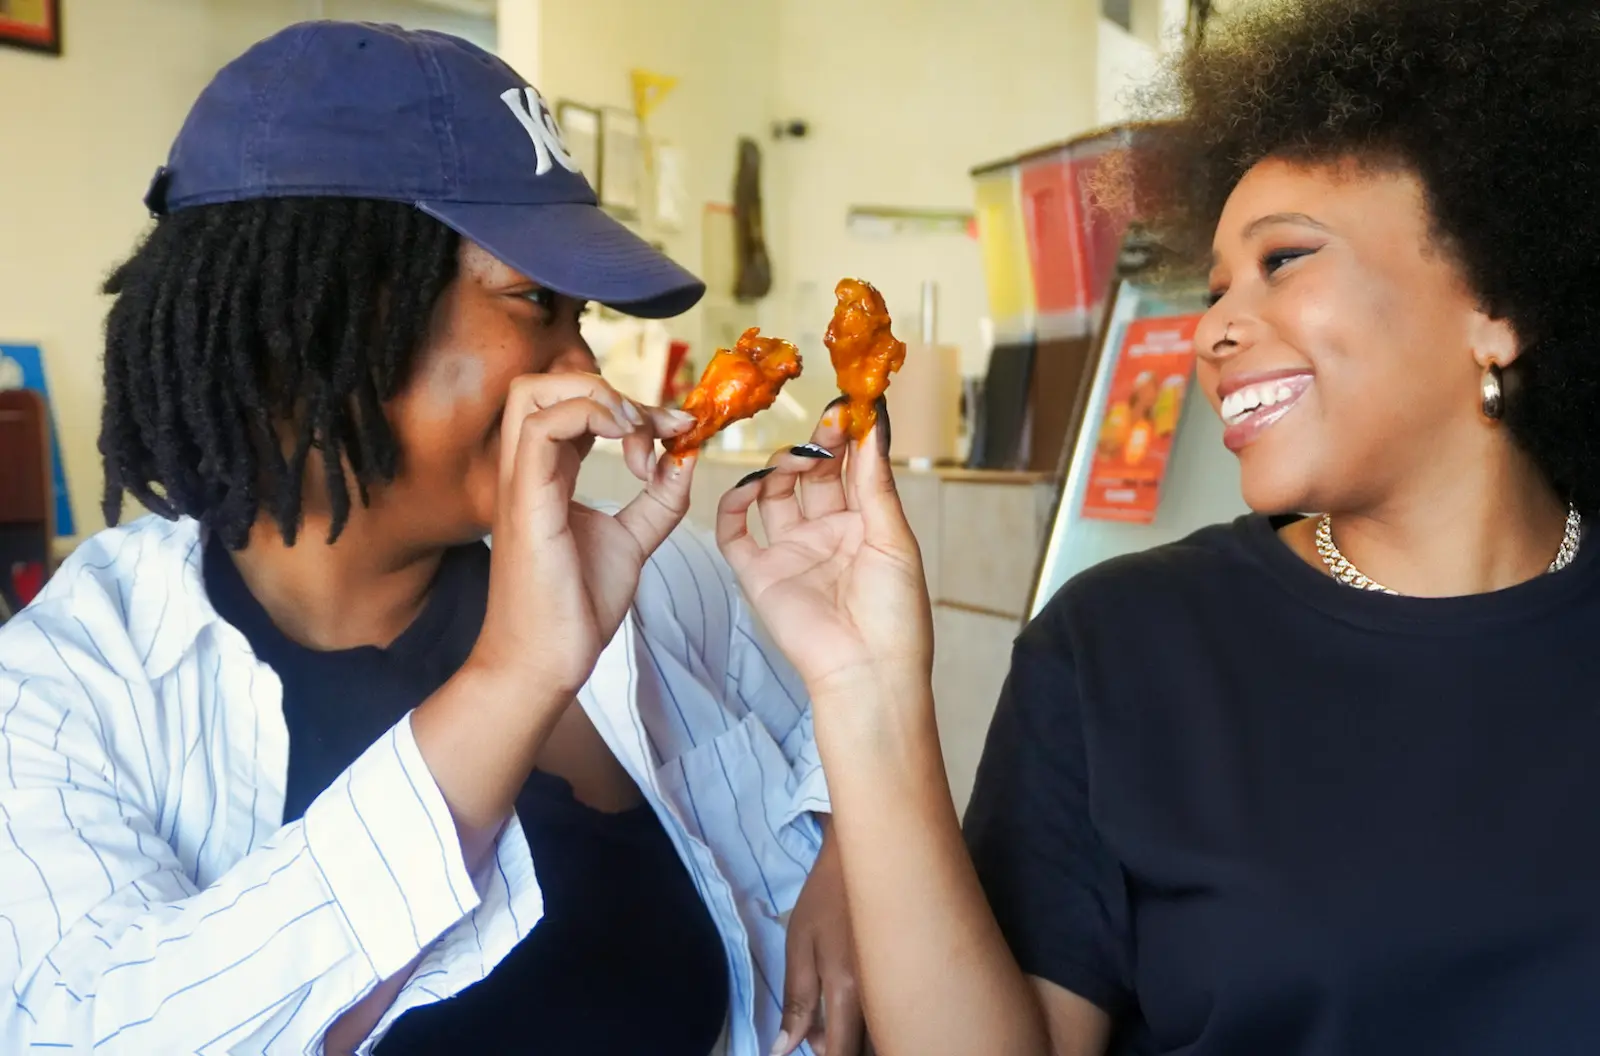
x=357 y=591
x=1451 y=534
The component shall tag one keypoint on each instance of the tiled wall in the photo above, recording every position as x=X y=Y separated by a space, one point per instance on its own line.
x=981 y=536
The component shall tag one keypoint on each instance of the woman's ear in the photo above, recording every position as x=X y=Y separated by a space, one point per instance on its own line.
x=1493 y=341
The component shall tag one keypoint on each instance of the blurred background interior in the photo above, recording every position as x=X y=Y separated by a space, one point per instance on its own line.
x=944 y=150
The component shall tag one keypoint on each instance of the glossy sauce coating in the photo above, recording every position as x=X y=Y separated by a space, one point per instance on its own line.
x=737 y=384
x=864 y=351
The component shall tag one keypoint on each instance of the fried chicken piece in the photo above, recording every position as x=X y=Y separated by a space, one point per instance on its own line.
x=736 y=385
x=864 y=352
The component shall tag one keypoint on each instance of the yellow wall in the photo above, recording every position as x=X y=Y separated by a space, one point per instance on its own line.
x=82 y=135
x=901 y=104
x=900 y=109
x=723 y=53
x=479 y=29
x=903 y=98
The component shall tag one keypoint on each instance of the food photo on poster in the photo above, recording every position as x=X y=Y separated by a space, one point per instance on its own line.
x=1143 y=408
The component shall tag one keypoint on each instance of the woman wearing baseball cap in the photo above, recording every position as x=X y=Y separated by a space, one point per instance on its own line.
x=298 y=763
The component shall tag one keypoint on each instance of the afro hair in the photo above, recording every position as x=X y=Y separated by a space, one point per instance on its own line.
x=1493 y=104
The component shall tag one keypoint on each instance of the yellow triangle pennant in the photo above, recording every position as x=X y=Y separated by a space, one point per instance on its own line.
x=648 y=91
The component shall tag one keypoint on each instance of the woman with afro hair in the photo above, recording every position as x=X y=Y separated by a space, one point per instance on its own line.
x=1321 y=781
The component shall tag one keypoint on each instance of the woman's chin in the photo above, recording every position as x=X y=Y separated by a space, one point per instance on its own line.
x=1273 y=490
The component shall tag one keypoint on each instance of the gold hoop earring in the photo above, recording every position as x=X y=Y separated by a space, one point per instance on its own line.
x=1494 y=393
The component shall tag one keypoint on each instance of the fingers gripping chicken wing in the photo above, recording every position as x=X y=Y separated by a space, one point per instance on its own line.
x=864 y=351
x=737 y=384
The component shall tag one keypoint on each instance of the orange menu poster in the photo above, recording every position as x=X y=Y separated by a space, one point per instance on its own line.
x=1148 y=385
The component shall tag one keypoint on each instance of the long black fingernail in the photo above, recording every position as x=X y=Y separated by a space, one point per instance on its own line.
x=835 y=402
x=751 y=478
x=811 y=451
x=882 y=407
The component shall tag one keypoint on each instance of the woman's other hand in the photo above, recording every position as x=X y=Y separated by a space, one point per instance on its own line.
x=821 y=999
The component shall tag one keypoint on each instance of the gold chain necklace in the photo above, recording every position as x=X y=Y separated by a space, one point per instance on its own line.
x=1351 y=576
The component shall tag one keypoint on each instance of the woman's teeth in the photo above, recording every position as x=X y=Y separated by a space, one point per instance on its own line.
x=1238 y=406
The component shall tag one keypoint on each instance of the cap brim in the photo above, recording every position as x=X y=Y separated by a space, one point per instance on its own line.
x=576 y=249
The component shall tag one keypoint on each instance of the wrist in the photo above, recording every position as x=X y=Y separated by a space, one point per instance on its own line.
x=883 y=684
x=889 y=714
x=480 y=735
x=527 y=686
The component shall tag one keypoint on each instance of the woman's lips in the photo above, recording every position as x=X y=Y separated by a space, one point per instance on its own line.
x=1251 y=408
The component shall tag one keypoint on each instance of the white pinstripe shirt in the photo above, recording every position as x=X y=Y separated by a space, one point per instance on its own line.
x=151 y=901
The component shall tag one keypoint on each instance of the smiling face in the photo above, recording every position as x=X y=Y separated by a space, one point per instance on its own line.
x=1344 y=350
x=490 y=326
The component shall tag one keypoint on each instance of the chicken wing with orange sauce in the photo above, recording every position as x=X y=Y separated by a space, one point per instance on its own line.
x=864 y=352
x=736 y=385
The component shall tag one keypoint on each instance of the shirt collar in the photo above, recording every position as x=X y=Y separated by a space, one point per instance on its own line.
x=168 y=609
x=166 y=606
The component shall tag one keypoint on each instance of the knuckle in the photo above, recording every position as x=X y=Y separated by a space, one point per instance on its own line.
x=589 y=383
x=654 y=503
x=795 y=1007
x=522 y=389
x=528 y=429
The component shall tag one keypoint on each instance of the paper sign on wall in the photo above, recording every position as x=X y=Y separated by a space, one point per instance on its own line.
x=22 y=367
x=1143 y=407
x=672 y=187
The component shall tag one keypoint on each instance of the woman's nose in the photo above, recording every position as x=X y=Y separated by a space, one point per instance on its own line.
x=1222 y=332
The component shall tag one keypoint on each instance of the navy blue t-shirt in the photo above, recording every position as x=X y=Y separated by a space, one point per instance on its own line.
x=1249 y=810
x=626 y=958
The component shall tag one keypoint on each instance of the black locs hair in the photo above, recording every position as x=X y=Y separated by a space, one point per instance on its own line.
x=245 y=335
x=1492 y=103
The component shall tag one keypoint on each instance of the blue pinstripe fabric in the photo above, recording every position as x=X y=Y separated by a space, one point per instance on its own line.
x=152 y=901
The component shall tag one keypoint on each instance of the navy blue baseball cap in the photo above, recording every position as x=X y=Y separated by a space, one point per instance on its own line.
x=356 y=110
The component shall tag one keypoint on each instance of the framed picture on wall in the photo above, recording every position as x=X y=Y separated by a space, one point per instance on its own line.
x=580 y=129
x=31 y=24
x=621 y=162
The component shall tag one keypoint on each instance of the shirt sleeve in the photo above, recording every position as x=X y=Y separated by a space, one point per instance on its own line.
x=772 y=690
x=1055 y=888
x=511 y=904
x=107 y=943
